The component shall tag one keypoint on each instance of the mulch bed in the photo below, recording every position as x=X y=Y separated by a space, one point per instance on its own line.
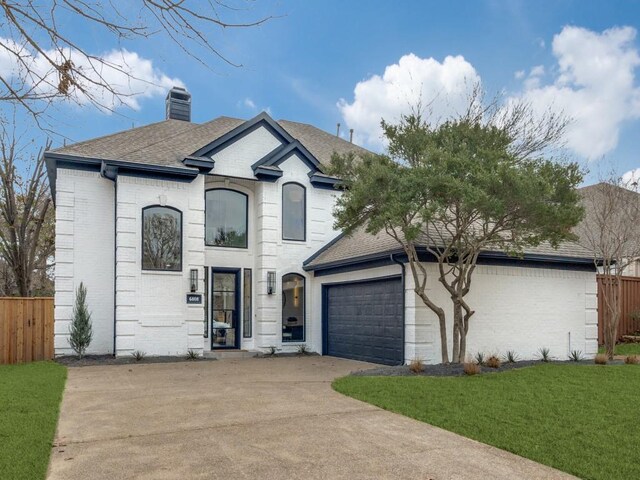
x=92 y=360
x=457 y=370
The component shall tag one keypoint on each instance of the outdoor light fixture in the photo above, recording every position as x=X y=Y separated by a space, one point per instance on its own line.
x=193 y=277
x=271 y=282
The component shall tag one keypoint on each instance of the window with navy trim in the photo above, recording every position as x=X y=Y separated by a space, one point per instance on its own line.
x=161 y=238
x=293 y=293
x=294 y=205
x=225 y=218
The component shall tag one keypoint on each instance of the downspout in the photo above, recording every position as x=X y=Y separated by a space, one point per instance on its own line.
x=111 y=173
x=115 y=260
x=404 y=327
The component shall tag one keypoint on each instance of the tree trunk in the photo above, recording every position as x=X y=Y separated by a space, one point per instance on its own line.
x=459 y=343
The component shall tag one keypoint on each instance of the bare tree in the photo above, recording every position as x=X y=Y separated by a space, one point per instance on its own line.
x=46 y=62
x=611 y=231
x=26 y=219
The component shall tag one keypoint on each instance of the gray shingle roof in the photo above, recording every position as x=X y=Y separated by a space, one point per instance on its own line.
x=168 y=142
x=364 y=245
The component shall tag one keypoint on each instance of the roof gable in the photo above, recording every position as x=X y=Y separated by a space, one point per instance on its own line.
x=261 y=120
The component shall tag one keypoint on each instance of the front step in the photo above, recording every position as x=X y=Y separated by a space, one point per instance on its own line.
x=229 y=354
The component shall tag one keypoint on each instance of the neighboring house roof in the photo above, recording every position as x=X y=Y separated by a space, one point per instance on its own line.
x=362 y=247
x=168 y=142
x=605 y=225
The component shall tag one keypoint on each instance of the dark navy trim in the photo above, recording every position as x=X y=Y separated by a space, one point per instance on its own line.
x=246 y=217
x=203 y=164
x=242 y=130
x=304 y=308
x=268 y=174
x=304 y=197
x=280 y=154
x=486 y=258
x=238 y=307
x=142 y=239
x=324 y=181
x=325 y=306
x=112 y=168
x=321 y=250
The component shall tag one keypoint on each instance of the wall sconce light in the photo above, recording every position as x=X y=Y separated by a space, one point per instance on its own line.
x=271 y=282
x=193 y=279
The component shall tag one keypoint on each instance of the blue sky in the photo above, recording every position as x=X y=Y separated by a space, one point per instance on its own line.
x=299 y=66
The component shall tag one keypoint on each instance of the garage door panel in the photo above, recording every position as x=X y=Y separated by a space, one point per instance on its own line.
x=364 y=321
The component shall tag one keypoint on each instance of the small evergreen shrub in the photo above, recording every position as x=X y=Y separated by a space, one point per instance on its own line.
x=575 y=355
x=80 y=330
x=480 y=358
x=138 y=355
x=416 y=365
x=511 y=356
x=544 y=354
x=192 y=354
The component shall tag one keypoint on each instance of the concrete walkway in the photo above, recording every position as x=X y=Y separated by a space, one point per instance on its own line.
x=273 y=418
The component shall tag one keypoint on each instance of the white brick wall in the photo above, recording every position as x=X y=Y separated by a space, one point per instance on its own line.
x=236 y=159
x=151 y=309
x=517 y=308
x=84 y=253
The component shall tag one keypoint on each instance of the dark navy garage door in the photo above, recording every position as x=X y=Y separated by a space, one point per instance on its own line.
x=364 y=321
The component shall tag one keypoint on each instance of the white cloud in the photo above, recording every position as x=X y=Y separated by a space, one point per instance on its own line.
x=631 y=177
x=441 y=86
x=129 y=76
x=247 y=102
x=594 y=84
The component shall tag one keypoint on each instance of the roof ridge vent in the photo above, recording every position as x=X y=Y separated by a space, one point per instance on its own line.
x=178 y=104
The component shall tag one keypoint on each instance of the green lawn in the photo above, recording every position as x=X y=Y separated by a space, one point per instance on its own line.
x=30 y=397
x=582 y=419
x=625 y=349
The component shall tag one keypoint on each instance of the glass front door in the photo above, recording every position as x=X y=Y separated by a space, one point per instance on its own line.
x=224 y=308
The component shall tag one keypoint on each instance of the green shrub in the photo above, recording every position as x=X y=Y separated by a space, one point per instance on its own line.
x=80 y=330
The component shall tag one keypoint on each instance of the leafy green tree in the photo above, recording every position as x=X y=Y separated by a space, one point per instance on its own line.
x=80 y=331
x=486 y=180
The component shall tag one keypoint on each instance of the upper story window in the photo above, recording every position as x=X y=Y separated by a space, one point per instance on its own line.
x=294 y=212
x=225 y=218
x=161 y=238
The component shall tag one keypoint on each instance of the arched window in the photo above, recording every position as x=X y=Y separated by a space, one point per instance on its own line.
x=225 y=218
x=161 y=238
x=293 y=308
x=294 y=212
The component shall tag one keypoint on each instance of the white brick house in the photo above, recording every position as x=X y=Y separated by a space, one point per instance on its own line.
x=220 y=236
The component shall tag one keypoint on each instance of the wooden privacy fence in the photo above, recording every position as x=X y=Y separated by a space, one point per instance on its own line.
x=630 y=302
x=26 y=329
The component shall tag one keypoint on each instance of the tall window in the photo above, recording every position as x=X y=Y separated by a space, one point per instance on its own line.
x=293 y=308
x=246 y=303
x=226 y=218
x=293 y=212
x=161 y=238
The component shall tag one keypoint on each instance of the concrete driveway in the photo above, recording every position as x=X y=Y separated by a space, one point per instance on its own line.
x=270 y=418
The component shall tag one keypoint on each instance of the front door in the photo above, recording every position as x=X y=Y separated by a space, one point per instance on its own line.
x=225 y=296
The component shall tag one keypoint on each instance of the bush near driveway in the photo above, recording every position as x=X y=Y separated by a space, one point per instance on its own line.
x=582 y=419
x=30 y=396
